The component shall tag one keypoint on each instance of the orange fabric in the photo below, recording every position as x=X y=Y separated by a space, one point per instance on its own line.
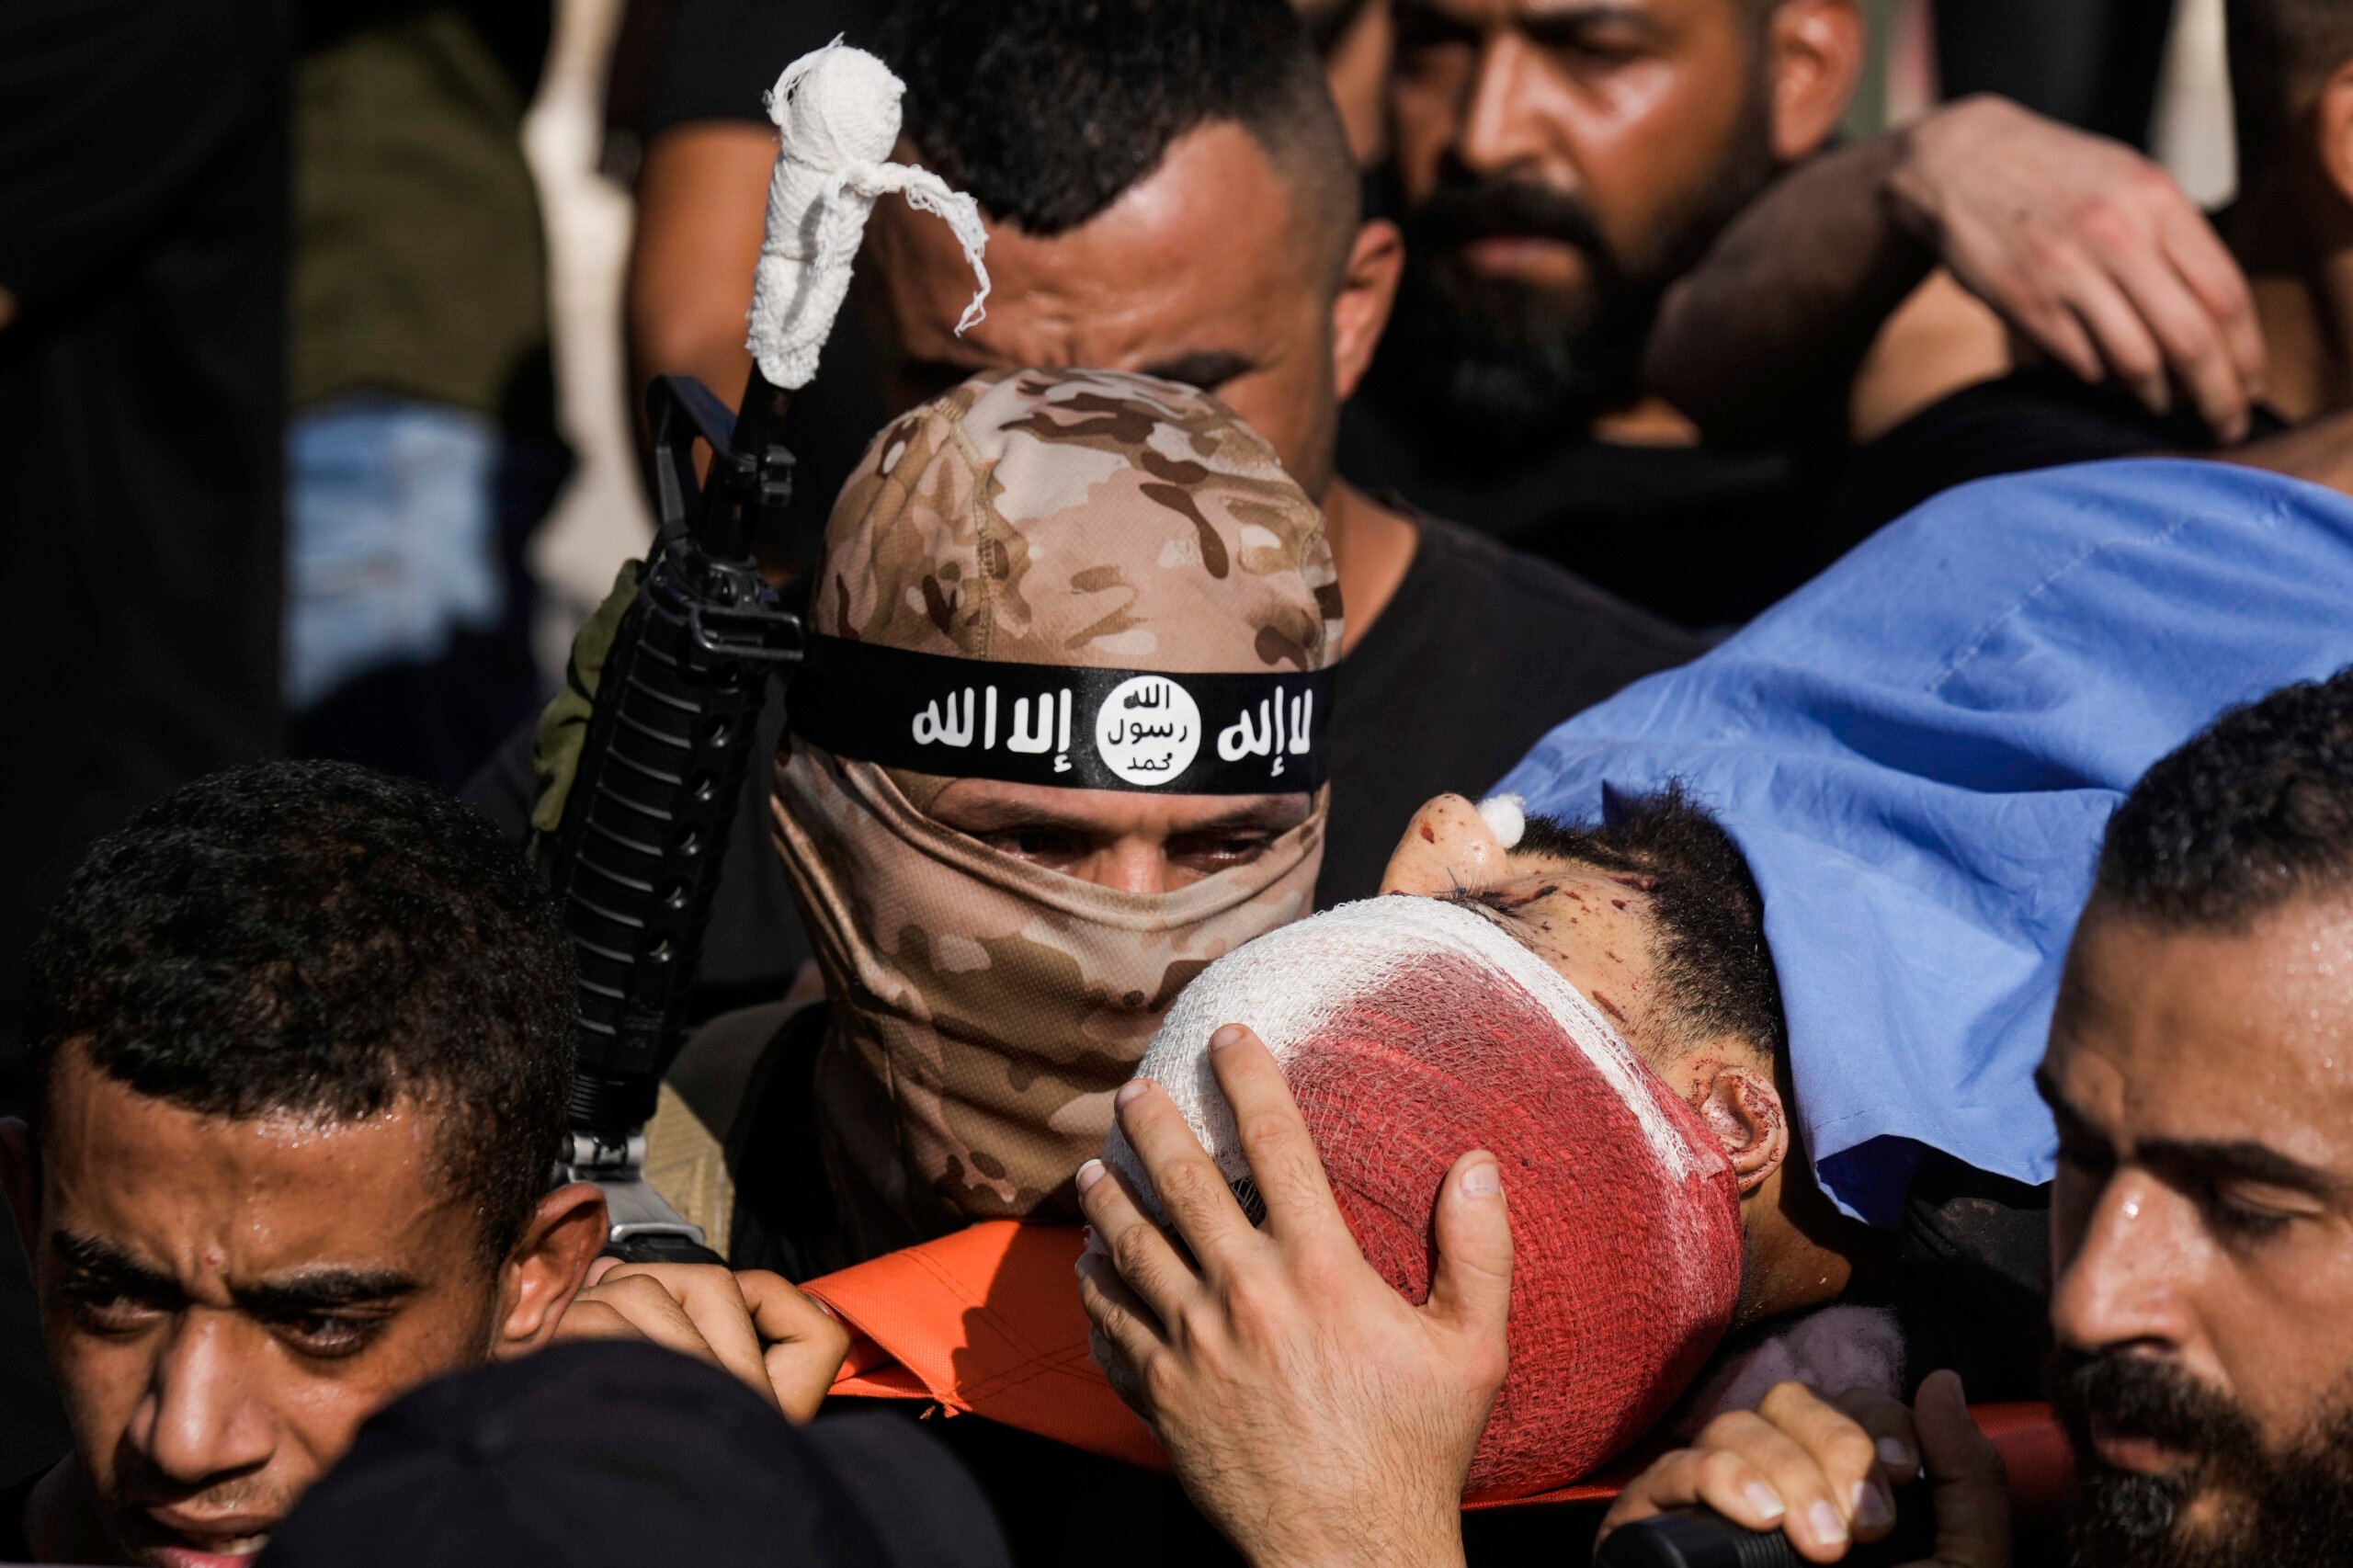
x=988 y=1322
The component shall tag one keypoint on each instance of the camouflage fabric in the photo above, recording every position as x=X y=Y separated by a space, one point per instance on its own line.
x=985 y=1008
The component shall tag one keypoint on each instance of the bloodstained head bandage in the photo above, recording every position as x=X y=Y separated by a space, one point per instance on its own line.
x=1412 y=1030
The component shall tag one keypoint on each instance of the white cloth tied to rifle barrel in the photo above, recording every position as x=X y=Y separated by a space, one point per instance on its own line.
x=836 y=113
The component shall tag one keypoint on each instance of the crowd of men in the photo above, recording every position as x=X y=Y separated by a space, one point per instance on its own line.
x=1431 y=849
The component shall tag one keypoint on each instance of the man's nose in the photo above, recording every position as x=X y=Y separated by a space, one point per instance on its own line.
x=1134 y=865
x=2128 y=1279
x=202 y=1413
x=1500 y=130
x=1448 y=845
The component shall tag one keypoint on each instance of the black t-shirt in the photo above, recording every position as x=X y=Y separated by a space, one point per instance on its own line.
x=1703 y=536
x=1481 y=652
x=2040 y=417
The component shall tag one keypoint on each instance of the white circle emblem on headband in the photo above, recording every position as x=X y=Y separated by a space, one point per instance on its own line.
x=1148 y=730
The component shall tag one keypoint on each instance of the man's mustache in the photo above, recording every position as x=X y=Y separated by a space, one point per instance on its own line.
x=1456 y=214
x=2141 y=1397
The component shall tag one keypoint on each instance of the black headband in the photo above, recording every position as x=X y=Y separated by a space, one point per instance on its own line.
x=1078 y=729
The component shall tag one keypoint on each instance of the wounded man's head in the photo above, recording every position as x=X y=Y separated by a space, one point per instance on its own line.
x=1596 y=1007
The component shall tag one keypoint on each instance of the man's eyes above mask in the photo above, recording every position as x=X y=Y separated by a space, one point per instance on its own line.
x=1050 y=845
x=1229 y=848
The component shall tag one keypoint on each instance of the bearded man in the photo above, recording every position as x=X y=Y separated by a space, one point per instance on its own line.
x=2202 y=1283
x=1562 y=168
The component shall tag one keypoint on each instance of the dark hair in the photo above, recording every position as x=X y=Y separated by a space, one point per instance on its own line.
x=2281 y=51
x=313 y=937
x=1047 y=111
x=1715 y=971
x=2255 y=811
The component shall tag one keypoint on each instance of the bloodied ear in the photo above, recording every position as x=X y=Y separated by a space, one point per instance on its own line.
x=1744 y=1109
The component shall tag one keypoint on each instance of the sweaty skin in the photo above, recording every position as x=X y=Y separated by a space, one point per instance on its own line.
x=2203 y=1214
x=1197 y=274
x=226 y=1301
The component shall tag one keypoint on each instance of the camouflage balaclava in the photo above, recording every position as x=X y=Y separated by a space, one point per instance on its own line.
x=1130 y=557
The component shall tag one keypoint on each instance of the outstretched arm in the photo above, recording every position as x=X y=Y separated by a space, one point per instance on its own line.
x=1812 y=303
x=1313 y=1414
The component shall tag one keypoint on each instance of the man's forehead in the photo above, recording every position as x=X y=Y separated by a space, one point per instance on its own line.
x=1196 y=250
x=181 y=1189
x=2213 y=1035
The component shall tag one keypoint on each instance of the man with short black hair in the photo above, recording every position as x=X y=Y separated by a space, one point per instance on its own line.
x=301 y=1041
x=2203 y=1291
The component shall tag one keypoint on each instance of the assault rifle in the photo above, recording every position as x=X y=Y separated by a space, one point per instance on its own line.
x=660 y=776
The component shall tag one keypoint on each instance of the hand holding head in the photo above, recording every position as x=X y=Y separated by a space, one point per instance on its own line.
x=1311 y=1412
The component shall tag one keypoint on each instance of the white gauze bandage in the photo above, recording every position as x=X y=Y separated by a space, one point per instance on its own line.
x=1413 y=1029
x=1288 y=983
x=836 y=114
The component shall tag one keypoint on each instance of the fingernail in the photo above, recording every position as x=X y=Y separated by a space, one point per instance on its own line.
x=1482 y=1180
x=1129 y=1091
x=1897 y=1455
x=1828 y=1529
x=1871 y=1508
x=1226 y=1036
x=1089 y=1174
x=1766 y=1501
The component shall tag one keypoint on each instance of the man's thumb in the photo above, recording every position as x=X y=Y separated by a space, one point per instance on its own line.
x=1473 y=1285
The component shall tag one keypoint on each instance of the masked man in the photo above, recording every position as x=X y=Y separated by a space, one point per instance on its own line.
x=1058 y=745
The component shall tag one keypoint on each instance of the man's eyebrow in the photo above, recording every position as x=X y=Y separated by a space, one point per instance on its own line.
x=2243 y=1159
x=103 y=1261
x=321 y=1290
x=1207 y=368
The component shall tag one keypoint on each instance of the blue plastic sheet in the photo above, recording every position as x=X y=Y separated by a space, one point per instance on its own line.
x=1917 y=753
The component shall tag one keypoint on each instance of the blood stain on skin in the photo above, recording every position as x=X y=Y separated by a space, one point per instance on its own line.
x=1616 y=903
x=1430 y=833
x=1609 y=1006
